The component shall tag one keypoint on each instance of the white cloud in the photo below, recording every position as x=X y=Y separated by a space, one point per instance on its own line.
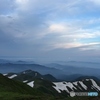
x=90 y=46
x=57 y=28
x=67 y=45
x=81 y=46
x=97 y=2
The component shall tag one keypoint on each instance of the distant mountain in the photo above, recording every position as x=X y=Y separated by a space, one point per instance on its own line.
x=23 y=62
x=29 y=75
x=55 y=65
x=81 y=68
x=80 y=64
x=71 y=77
x=10 y=67
x=4 y=61
x=87 y=77
x=61 y=70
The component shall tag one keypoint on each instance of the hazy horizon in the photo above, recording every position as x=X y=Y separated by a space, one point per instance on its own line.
x=39 y=61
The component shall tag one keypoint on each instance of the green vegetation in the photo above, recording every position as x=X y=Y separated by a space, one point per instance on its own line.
x=45 y=86
x=8 y=85
x=14 y=96
x=15 y=90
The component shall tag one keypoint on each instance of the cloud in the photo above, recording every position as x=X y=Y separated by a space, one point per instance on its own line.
x=81 y=46
x=97 y=2
x=39 y=26
x=70 y=36
x=61 y=33
x=57 y=28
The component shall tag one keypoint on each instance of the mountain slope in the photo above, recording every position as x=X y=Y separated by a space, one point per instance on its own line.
x=45 y=90
x=29 y=75
x=84 y=85
x=81 y=84
x=15 y=90
x=14 y=86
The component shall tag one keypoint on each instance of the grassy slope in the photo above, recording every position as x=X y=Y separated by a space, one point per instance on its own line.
x=14 y=90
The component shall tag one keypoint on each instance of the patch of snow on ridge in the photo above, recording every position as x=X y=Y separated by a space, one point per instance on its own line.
x=87 y=79
x=5 y=74
x=70 y=85
x=84 y=86
x=25 y=81
x=31 y=84
x=95 y=84
x=75 y=83
x=63 y=86
x=12 y=76
x=60 y=86
x=95 y=88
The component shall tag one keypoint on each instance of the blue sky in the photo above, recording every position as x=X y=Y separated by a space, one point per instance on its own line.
x=50 y=30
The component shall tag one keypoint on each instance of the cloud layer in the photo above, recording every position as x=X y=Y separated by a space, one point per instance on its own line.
x=40 y=28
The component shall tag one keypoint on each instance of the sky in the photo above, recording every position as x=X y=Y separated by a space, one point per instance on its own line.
x=50 y=30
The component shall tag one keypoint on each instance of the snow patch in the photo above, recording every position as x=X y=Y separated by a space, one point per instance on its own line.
x=5 y=74
x=25 y=81
x=75 y=83
x=60 y=86
x=95 y=84
x=63 y=86
x=31 y=84
x=84 y=86
x=87 y=79
x=70 y=85
x=12 y=76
